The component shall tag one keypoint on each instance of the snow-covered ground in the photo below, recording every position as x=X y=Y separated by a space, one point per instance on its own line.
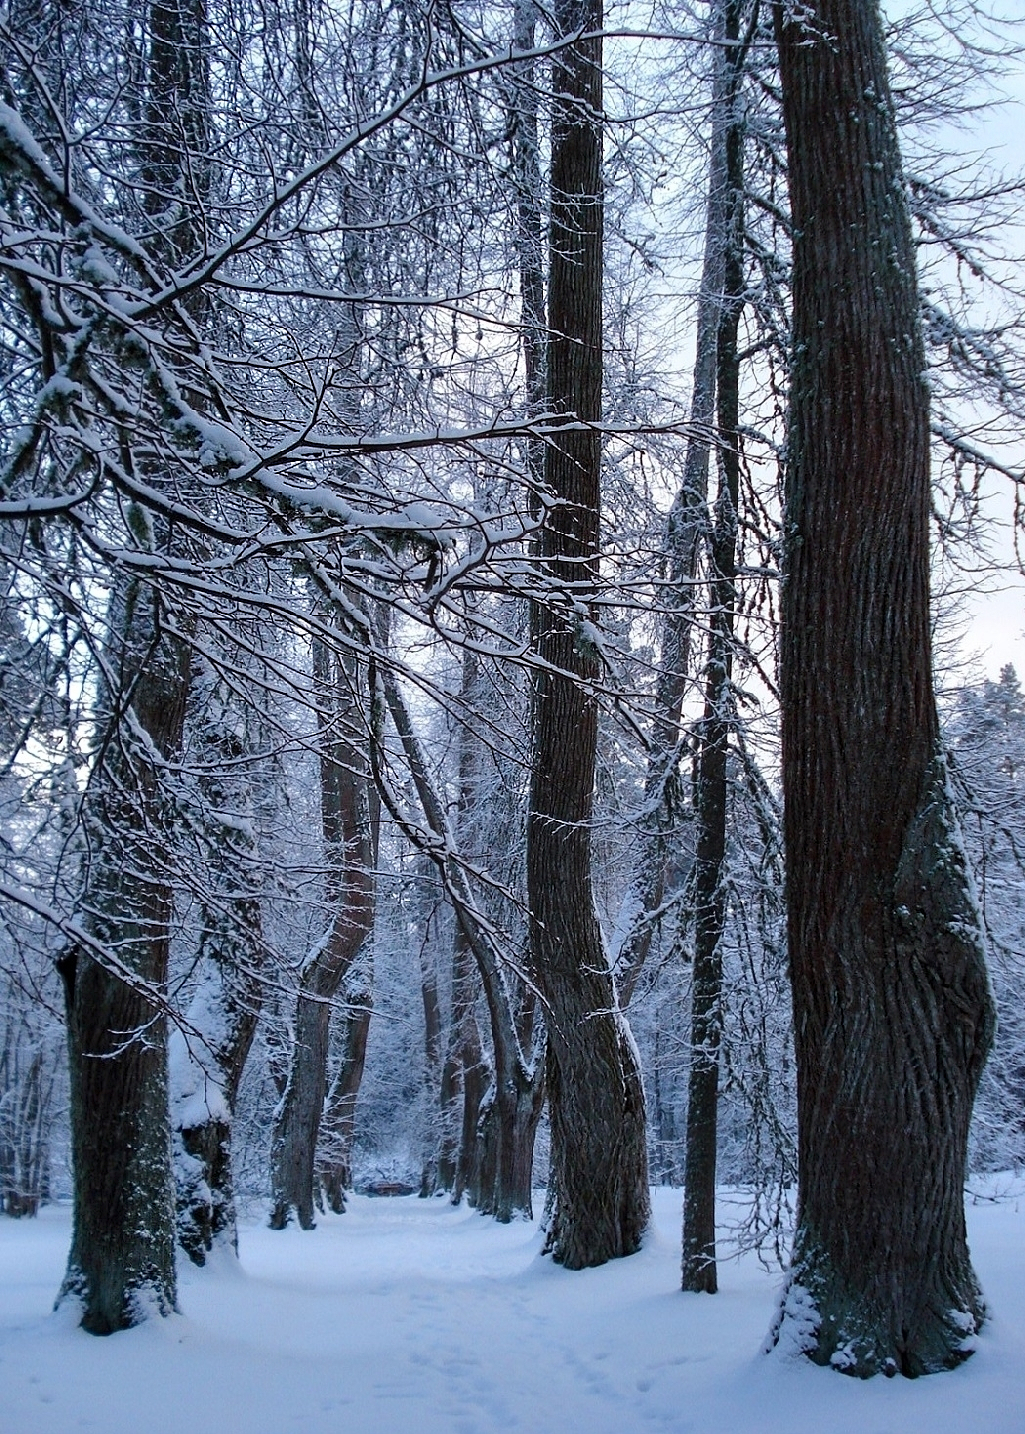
x=406 y=1316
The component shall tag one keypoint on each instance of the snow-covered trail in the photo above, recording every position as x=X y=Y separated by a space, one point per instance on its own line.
x=408 y=1317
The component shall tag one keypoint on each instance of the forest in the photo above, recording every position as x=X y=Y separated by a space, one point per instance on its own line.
x=488 y=495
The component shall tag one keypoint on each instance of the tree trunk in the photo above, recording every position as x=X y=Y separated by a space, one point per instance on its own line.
x=297 y=1127
x=893 y=1016
x=526 y=174
x=433 y=1056
x=463 y=1081
x=224 y=1010
x=599 y=1160
x=24 y=1152
x=711 y=796
x=513 y=1070
x=339 y=1124
x=121 y=1265
x=508 y=1143
x=486 y=1147
x=349 y=854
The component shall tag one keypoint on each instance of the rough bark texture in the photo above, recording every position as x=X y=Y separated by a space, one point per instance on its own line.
x=121 y=1265
x=507 y=1120
x=892 y=1010
x=601 y=1202
x=711 y=794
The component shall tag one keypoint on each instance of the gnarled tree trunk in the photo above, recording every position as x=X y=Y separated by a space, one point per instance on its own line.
x=893 y=1016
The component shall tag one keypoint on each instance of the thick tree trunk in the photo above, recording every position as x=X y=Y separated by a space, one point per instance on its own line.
x=477 y=1078
x=892 y=1009
x=601 y=1201
x=121 y=1265
x=297 y=1127
x=711 y=795
x=506 y=1128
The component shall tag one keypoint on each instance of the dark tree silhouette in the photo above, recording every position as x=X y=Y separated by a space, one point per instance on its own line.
x=599 y=1160
x=711 y=796
x=893 y=1017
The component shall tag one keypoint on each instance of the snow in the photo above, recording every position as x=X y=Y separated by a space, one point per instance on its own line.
x=406 y=1315
x=196 y=1094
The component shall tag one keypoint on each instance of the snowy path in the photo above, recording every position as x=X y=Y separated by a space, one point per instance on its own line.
x=409 y=1317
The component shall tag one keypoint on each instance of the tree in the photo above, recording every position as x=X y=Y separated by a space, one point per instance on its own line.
x=499 y=1173
x=208 y=1053
x=711 y=787
x=338 y=1128
x=600 y=1199
x=122 y=1254
x=349 y=841
x=31 y=1079
x=986 y=732
x=893 y=1017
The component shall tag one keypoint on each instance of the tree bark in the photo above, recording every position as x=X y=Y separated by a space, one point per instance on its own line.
x=349 y=854
x=601 y=1203
x=434 y=1056
x=339 y=1124
x=526 y=173
x=893 y=1016
x=463 y=1079
x=121 y=1264
x=500 y=1181
x=225 y=1008
x=712 y=792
